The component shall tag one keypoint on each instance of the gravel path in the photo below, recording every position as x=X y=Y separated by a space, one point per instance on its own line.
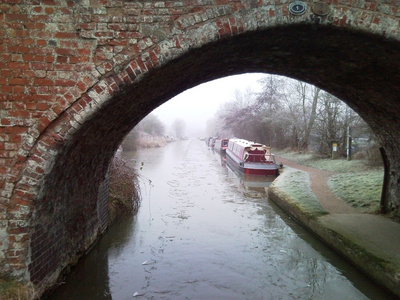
x=319 y=185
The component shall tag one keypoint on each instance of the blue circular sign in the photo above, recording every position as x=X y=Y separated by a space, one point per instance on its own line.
x=297 y=8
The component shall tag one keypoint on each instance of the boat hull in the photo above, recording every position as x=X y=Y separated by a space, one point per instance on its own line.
x=264 y=169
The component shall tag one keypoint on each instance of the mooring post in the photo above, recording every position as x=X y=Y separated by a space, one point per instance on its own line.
x=349 y=140
x=386 y=166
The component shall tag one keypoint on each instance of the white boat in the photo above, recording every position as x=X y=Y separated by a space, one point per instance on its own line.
x=221 y=145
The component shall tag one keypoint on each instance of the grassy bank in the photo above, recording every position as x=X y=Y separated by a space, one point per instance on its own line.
x=297 y=191
x=14 y=290
x=355 y=181
x=339 y=165
x=361 y=190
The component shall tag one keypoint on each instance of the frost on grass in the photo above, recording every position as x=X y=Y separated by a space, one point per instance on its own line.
x=296 y=186
x=363 y=190
x=340 y=165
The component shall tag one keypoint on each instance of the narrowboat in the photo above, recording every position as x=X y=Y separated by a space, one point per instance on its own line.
x=221 y=145
x=211 y=142
x=251 y=158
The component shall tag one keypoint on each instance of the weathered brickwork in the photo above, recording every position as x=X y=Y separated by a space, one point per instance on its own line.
x=102 y=200
x=76 y=76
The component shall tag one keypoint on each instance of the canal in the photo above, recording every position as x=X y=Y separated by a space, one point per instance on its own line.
x=203 y=232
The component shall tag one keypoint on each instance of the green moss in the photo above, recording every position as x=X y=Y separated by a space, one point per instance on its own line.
x=363 y=253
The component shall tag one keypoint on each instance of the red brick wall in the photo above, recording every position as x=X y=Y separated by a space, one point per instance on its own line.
x=76 y=76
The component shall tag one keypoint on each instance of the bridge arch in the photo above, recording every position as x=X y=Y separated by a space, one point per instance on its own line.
x=53 y=213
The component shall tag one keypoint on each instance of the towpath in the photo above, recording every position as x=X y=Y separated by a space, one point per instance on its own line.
x=376 y=234
x=319 y=185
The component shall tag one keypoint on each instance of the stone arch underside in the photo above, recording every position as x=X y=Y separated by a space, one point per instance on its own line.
x=360 y=68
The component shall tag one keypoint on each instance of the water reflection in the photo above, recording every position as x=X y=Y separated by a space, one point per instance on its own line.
x=249 y=184
x=90 y=278
x=205 y=232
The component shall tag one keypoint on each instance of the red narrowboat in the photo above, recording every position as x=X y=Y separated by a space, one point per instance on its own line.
x=251 y=158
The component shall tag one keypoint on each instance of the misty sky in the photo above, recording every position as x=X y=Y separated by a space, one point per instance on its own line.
x=195 y=106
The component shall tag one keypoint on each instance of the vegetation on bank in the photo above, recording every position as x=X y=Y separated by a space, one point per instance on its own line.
x=340 y=165
x=141 y=140
x=11 y=289
x=361 y=189
x=358 y=182
x=296 y=185
x=150 y=133
x=124 y=196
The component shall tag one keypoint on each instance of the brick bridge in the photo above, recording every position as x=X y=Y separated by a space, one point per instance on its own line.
x=78 y=75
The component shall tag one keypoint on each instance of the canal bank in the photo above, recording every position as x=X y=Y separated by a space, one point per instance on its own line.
x=370 y=242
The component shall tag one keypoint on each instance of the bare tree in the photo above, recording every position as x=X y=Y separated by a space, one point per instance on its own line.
x=272 y=92
x=238 y=115
x=151 y=125
x=334 y=117
x=289 y=113
x=309 y=112
x=179 y=128
x=269 y=106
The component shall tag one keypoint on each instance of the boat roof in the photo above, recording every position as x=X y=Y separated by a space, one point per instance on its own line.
x=246 y=143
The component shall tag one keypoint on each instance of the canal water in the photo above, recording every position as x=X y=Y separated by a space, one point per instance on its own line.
x=203 y=232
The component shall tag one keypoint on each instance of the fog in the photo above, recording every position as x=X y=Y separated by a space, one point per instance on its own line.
x=199 y=104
